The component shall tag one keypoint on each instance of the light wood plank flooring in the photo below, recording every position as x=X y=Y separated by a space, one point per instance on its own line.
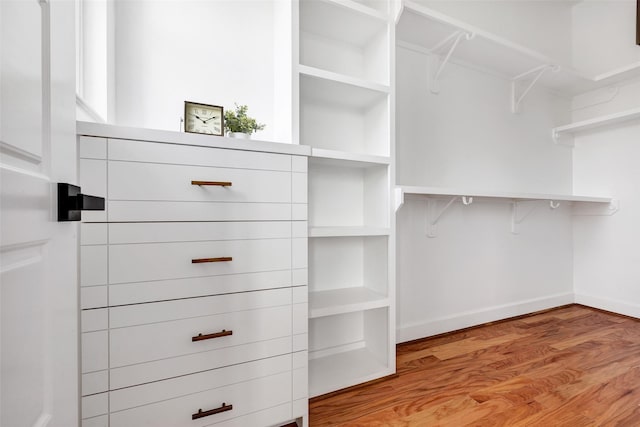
x=572 y=366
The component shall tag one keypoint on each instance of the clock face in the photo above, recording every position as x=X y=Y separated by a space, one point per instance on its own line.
x=203 y=118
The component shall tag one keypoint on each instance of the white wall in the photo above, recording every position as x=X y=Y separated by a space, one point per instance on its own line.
x=214 y=52
x=604 y=35
x=475 y=270
x=606 y=256
x=92 y=42
x=466 y=136
x=542 y=25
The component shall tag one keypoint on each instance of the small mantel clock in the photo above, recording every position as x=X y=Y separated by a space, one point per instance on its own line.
x=203 y=118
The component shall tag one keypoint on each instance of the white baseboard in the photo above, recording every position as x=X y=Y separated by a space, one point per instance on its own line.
x=616 y=306
x=490 y=314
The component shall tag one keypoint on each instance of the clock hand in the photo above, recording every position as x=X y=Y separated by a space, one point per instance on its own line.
x=210 y=118
x=198 y=117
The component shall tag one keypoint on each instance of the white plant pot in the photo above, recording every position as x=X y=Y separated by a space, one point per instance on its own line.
x=239 y=135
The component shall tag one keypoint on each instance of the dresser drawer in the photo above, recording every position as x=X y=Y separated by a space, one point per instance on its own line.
x=155 y=152
x=152 y=210
x=161 y=369
x=161 y=290
x=144 y=343
x=159 y=391
x=165 y=232
x=158 y=261
x=232 y=401
x=165 y=311
x=152 y=181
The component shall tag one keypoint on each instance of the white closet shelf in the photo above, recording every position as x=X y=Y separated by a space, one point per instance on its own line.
x=595 y=122
x=306 y=70
x=341 y=370
x=346 y=300
x=347 y=159
x=426 y=30
x=401 y=190
x=347 y=231
x=344 y=92
x=337 y=19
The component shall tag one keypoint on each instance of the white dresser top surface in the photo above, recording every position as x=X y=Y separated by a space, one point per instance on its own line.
x=172 y=137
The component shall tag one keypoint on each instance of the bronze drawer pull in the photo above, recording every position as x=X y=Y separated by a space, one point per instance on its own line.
x=219 y=259
x=222 y=333
x=202 y=414
x=213 y=183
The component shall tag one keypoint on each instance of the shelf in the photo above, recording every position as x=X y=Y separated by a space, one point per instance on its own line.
x=346 y=300
x=342 y=92
x=426 y=29
x=345 y=37
x=348 y=231
x=346 y=159
x=439 y=191
x=379 y=8
x=341 y=370
x=596 y=122
x=342 y=78
x=602 y=205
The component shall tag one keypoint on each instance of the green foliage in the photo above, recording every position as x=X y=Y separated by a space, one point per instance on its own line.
x=238 y=121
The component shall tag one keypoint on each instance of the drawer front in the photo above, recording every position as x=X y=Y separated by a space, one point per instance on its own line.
x=152 y=181
x=146 y=210
x=161 y=369
x=158 y=261
x=164 y=311
x=164 y=232
x=155 y=152
x=145 y=394
x=162 y=290
x=237 y=400
x=145 y=343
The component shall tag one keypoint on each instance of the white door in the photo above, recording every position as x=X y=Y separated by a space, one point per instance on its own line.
x=38 y=256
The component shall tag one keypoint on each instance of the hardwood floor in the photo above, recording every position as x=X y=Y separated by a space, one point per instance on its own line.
x=573 y=366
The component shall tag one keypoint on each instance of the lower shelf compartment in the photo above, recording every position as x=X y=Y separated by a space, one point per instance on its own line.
x=348 y=349
x=341 y=370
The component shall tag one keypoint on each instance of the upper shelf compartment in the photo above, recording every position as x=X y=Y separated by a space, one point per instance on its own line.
x=345 y=37
x=432 y=31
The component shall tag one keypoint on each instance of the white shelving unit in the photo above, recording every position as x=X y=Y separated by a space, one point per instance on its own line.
x=345 y=94
x=607 y=120
x=427 y=30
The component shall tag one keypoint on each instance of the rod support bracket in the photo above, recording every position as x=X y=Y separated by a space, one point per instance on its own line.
x=456 y=37
x=537 y=72
x=434 y=214
x=517 y=216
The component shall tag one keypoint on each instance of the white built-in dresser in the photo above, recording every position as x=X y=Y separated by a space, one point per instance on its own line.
x=193 y=281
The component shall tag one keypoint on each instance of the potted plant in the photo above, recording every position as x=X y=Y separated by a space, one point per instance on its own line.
x=238 y=124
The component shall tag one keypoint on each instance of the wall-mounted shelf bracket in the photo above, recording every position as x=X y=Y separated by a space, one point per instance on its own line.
x=596 y=209
x=456 y=37
x=518 y=214
x=434 y=214
x=537 y=72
